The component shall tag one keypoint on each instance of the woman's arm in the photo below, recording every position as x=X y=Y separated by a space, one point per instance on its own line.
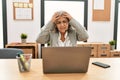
x=82 y=34
x=43 y=36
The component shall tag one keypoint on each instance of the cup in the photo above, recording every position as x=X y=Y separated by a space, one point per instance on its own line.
x=24 y=62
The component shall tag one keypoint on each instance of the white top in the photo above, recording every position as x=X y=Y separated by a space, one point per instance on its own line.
x=66 y=42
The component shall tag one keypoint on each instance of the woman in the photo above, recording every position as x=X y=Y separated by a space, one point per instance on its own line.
x=62 y=30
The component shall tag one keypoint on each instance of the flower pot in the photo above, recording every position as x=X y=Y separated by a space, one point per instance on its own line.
x=112 y=47
x=23 y=40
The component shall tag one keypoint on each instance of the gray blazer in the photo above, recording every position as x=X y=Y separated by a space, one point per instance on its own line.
x=48 y=34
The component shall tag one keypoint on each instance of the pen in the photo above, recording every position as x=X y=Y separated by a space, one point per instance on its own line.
x=22 y=60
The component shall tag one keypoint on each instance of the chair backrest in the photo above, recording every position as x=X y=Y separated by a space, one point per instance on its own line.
x=9 y=53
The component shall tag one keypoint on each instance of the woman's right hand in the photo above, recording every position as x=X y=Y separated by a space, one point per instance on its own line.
x=67 y=15
x=55 y=17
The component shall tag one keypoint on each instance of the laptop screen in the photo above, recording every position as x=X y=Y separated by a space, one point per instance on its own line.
x=65 y=59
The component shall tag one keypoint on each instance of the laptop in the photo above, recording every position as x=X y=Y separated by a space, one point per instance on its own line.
x=65 y=59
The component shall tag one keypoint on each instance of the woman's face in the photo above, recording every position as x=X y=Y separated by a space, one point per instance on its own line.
x=62 y=24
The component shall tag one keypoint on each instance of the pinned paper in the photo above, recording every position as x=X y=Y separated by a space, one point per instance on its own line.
x=15 y=4
x=20 y=5
x=30 y=5
x=25 y=5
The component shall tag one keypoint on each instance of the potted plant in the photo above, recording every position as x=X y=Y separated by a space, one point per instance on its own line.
x=23 y=37
x=112 y=44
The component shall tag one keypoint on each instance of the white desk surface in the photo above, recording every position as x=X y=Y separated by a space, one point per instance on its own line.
x=9 y=71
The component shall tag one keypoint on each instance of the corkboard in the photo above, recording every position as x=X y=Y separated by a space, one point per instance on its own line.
x=102 y=15
x=23 y=10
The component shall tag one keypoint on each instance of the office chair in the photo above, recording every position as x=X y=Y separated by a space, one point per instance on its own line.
x=9 y=53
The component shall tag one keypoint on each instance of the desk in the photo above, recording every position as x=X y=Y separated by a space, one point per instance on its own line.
x=9 y=71
x=26 y=47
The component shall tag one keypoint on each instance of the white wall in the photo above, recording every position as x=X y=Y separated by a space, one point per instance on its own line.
x=15 y=28
x=1 y=26
x=68 y=6
x=100 y=31
x=118 y=29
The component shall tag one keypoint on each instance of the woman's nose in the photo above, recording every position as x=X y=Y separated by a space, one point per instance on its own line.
x=62 y=24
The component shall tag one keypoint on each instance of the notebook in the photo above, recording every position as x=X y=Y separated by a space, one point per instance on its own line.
x=65 y=59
